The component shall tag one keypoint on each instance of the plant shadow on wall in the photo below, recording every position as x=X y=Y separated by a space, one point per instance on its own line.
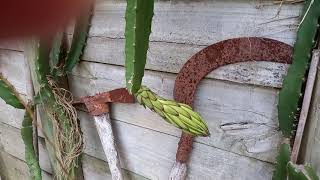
x=60 y=125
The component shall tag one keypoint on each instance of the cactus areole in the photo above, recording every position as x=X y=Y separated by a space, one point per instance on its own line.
x=222 y=53
x=139 y=15
x=292 y=87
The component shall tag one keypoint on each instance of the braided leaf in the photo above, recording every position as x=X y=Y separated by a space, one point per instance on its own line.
x=292 y=85
x=280 y=172
x=30 y=155
x=178 y=114
x=79 y=40
x=9 y=94
x=138 y=28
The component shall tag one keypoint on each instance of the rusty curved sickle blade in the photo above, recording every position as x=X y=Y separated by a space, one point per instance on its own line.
x=220 y=54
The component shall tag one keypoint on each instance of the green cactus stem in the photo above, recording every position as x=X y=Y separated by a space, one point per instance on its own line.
x=55 y=54
x=55 y=120
x=9 y=94
x=79 y=39
x=280 y=172
x=180 y=115
x=290 y=93
x=30 y=155
x=138 y=16
x=12 y=97
x=301 y=172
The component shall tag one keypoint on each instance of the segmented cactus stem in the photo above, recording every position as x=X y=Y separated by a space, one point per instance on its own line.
x=290 y=93
x=30 y=155
x=180 y=115
x=139 y=15
x=59 y=128
x=280 y=172
x=13 y=98
x=79 y=39
x=301 y=172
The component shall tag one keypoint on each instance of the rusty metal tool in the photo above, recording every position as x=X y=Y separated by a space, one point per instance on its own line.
x=98 y=107
x=210 y=58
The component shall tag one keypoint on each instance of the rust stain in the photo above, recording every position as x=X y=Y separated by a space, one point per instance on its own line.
x=214 y=56
x=98 y=104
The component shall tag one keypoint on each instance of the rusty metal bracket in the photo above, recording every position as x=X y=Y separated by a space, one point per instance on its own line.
x=98 y=104
x=212 y=57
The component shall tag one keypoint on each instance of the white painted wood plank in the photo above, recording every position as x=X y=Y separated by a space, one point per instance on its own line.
x=93 y=168
x=241 y=119
x=104 y=129
x=12 y=143
x=315 y=158
x=13 y=68
x=170 y=57
x=203 y=22
x=151 y=154
x=181 y=29
x=12 y=44
x=12 y=168
x=178 y=171
x=97 y=169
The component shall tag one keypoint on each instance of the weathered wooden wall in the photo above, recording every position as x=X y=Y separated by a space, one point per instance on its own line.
x=238 y=101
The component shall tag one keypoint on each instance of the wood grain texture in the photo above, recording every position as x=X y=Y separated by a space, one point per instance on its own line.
x=309 y=153
x=11 y=142
x=12 y=44
x=97 y=169
x=13 y=68
x=203 y=22
x=241 y=119
x=104 y=129
x=12 y=168
x=178 y=171
x=168 y=57
x=151 y=154
x=92 y=167
x=180 y=29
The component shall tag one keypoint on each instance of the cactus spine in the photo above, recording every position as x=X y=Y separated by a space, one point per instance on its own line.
x=80 y=35
x=30 y=155
x=138 y=16
x=58 y=117
x=180 y=115
x=9 y=94
x=56 y=123
x=301 y=172
x=280 y=172
x=286 y=169
x=292 y=85
x=12 y=97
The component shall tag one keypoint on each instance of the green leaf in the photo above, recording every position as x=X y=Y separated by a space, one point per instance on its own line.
x=8 y=93
x=139 y=15
x=280 y=172
x=79 y=40
x=30 y=155
x=289 y=95
x=301 y=172
x=49 y=108
x=55 y=50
